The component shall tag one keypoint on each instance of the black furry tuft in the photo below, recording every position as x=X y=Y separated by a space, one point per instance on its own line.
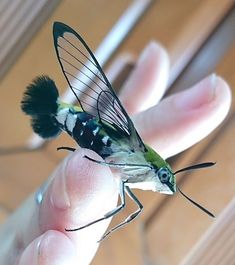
x=45 y=126
x=40 y=102
x=40 y=97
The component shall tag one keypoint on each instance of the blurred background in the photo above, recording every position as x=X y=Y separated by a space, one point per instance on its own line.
x=200 y=38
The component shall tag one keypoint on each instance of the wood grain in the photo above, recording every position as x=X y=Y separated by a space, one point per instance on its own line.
x=217 y=245
x=19 y=20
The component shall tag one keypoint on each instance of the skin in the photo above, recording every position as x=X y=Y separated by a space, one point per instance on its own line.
x=35 y=234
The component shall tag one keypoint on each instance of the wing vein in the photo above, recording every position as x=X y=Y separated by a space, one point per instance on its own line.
x=83 y=64
x=81 y=68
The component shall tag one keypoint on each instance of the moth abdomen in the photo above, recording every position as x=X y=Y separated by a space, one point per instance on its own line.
x=45 y=126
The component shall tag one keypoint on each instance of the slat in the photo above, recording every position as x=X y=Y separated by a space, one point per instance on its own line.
x=209 y=55
x=217 y=245
x=19 y=20
x=181 y=28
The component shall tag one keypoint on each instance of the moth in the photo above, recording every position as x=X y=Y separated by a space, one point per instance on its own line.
x=98 y=122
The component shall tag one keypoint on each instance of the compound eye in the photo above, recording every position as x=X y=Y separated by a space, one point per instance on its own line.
x=164 y=175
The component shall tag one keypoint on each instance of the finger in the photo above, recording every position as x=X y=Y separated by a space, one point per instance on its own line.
x=147 y=83
x=185 y=118
x=81 y=192
x=51 y=248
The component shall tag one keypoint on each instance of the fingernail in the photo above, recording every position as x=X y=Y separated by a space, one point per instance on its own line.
x=148 y=51
x=58 y=194
x=201 y=94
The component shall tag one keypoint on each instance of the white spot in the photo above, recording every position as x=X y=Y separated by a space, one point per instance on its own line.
x=62 y=116
x=71 y=121
x=96 y=130
x=145 y=185
x=105 y=139
x=84 y=123
x=81 y=132
x=92 y=143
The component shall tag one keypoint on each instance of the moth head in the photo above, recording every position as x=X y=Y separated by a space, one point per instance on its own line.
x=163 y=177
x=165 y=180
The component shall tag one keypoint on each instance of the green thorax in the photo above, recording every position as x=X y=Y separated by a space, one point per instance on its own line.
x=154 y=158
x=64 y=105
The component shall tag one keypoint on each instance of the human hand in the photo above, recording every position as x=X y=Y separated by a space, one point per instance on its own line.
x=80 y=191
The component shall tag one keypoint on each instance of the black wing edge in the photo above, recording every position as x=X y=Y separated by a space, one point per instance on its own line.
x=59 y=29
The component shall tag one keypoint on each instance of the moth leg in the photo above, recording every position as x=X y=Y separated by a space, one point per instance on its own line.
x=71 y=149
x=108 y=214
x=131 y=217
x=116 y=165
x=109 y=164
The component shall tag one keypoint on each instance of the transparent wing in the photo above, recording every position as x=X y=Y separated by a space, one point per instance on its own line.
x=89 y=83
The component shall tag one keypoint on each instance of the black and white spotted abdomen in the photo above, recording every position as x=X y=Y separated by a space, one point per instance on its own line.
x=86 y=131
